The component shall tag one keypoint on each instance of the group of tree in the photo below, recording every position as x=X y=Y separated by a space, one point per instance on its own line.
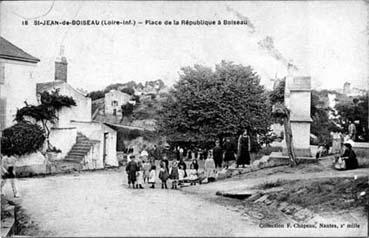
x=353 y=109
x=128 y=87
x=322 y=125
x=206 y=104
x=27 y=136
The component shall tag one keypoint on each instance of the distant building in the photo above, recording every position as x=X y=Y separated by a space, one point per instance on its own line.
x=346 y=88
x=114 y=100
x=17 y=81
x=355 y=92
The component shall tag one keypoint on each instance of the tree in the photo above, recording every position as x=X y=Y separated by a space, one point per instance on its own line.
x=129 y=91
x=46 y=112
x=94 y=95
x=206 y=104
x=321 y=125
x=281 y=112
x=354 y=109
x=127 y=109
x=22 y=138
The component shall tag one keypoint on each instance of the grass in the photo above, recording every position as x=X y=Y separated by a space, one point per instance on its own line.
x=277 y=183
x=334 y=194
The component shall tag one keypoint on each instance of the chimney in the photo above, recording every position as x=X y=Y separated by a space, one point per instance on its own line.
x=61 y=66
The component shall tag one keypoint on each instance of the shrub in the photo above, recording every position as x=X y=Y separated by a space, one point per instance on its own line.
x=22 y=138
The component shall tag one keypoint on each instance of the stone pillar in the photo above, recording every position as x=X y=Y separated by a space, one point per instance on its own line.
x=298 y=102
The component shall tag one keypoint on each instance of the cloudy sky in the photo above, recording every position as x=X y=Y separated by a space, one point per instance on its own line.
x=327 y=40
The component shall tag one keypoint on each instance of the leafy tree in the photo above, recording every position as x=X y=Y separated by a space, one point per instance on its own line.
x=22 y=138
x=129 y=91
x=46 y=112
x=277 y=95
x=282 y=114
x=206 y=104
x=354 y=109
x=94 y=95
x=127 y=109
x=321 y=125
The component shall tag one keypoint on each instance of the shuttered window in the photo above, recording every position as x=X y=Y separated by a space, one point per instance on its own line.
x=2 y=113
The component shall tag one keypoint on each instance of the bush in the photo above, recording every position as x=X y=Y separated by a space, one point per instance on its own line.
x=22 y=138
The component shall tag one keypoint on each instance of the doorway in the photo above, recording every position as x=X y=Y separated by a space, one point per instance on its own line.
x=105 y=151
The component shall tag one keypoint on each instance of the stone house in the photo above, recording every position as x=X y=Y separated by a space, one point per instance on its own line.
x=85 y=144
x=17 y=81
x=114 y=100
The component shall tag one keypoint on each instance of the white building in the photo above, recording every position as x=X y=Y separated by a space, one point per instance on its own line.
x=17 y=81
x=84 y=144
x=114 y=100
x=89 y=144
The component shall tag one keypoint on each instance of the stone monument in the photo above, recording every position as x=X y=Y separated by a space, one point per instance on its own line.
x=298 y=100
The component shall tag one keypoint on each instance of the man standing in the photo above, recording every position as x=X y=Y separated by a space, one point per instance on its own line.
x=131 y=170
x=218 y=154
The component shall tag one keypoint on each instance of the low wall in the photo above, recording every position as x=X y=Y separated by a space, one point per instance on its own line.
x=361 y=149
x=31 y=164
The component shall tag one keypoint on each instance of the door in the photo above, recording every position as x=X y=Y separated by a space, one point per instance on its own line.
x=105 y=151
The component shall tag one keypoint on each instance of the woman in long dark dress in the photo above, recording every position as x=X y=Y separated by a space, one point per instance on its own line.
x=243 y=149
x=218 y=154
x=349 y=157
x=229 y=152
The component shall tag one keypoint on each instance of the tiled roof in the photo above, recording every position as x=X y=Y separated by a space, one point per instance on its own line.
x=41 y=87
x=12 y=52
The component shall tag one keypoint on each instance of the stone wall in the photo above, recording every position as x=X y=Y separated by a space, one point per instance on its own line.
x=31 y=164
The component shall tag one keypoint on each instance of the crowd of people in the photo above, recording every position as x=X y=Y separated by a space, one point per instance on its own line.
x=143 y=168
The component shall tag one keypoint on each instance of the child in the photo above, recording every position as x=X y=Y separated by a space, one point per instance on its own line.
x=152 y=176
x=140 y=179
x=192 y=174
x=163 y=175
x=181 y=174
x=146 y=171
x=210 y=168
x=174 y=174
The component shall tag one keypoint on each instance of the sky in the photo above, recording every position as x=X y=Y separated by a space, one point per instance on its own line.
x=327 y=40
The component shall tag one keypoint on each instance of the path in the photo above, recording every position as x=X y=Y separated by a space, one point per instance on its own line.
x=97 y=204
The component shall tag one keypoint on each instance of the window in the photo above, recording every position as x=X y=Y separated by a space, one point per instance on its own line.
x=114 y=103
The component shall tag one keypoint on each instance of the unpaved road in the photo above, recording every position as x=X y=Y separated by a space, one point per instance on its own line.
x=98 y=204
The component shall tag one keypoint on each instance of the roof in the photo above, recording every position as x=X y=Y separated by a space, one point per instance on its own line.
x=12 y=52
x=117 y=126
x=41 y=87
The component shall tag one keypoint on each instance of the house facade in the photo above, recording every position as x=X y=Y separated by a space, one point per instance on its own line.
x=84 y=143
x=113 y=101
x=17 y=81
